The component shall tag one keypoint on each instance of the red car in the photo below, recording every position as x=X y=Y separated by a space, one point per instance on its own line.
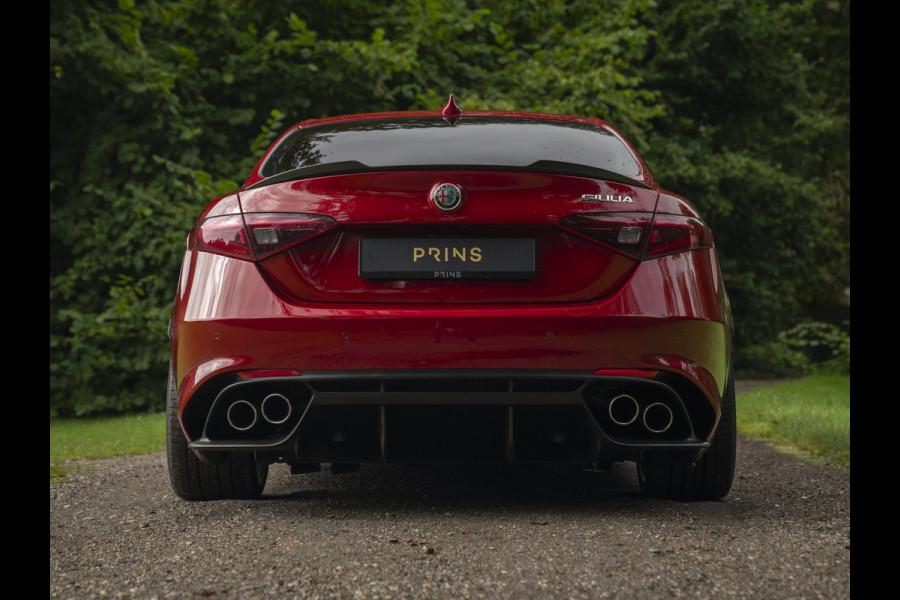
x=450 y=286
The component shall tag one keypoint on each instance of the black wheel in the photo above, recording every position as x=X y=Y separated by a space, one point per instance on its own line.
x=674 y=476
x=239 y=476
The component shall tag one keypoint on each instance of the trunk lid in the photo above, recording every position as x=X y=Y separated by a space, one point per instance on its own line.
x=440 y=256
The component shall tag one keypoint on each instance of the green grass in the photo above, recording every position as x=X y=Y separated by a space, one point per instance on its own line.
x=810 y=414
x=78 y=439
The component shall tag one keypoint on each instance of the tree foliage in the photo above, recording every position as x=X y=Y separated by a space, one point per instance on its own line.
x=757 y=135
x=158 y=106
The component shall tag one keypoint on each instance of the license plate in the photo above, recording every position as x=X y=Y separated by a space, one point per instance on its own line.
x=446 y=258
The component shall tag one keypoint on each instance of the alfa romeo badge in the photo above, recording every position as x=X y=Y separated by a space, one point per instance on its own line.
x=448 y=197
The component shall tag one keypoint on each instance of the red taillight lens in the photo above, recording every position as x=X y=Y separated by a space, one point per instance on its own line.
x=629 y=233
x=222 y=235
x=257 y=235
x=622 y=232
x=274 y=232
x=673 y=234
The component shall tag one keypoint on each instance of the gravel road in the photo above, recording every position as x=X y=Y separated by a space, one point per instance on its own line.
x=391 y=532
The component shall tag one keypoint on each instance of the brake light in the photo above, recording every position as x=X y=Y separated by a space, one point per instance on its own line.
x=630 y=233
x=673 y=234
x=221 y=235
x=256 y=236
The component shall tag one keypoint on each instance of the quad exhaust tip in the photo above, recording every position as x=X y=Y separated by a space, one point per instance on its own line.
x=276 y=409
x=624 y=410
x=241 y=415
x=657 y=417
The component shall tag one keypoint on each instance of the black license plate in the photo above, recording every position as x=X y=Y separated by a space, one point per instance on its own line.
x=446 y=258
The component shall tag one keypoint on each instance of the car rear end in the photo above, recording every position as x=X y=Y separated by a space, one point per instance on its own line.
x=412 y=288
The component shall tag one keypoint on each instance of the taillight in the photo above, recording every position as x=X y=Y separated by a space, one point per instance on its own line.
x=622 y=232
x=274 y=232
x=256 y=236
x=641 y=234
x=673 y=234
x=222 y=235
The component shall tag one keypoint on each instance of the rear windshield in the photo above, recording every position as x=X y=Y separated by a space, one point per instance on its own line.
x=471 y=143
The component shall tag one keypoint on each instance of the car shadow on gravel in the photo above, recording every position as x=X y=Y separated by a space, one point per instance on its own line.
x=460 y=487
x=767 y=484
x=472 y=487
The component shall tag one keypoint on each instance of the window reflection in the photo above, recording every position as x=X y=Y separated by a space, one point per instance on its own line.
x=471 y=142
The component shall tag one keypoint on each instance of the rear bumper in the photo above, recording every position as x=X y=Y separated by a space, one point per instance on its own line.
x=227 y=321
x=469 y=415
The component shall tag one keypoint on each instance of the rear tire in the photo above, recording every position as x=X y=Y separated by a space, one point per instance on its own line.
x=675 y=477
x=239 y=476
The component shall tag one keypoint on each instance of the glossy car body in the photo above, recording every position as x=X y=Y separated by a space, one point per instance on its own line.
x=552 y=304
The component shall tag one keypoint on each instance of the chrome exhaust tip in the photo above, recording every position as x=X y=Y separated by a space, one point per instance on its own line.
x=624 y=410
x=658 y=417
x=276 y=409
x=241 y=415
